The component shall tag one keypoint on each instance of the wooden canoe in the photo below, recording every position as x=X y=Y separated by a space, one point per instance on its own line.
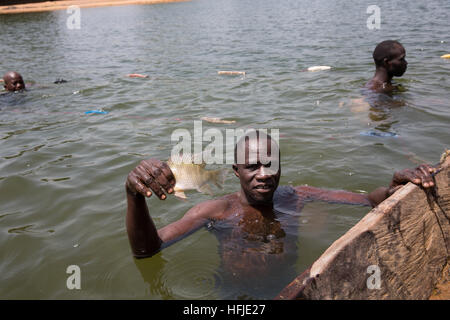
x=399 y=250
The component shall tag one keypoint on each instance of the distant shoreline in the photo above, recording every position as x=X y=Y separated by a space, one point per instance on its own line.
x=64 y=4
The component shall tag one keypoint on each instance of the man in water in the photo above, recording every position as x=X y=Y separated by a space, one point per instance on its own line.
x=13 y=81
x=255 y=232
x=389 y=57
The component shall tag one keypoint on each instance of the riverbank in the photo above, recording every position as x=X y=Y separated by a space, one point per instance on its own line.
x=64 y=4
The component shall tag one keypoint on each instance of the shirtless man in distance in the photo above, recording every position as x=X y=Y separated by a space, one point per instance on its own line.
x=389 y=57
x=13 y=81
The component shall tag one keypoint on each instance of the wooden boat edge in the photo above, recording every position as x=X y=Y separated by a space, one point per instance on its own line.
x=410 y=260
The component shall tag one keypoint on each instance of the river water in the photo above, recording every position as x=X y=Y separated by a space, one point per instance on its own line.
x=62 y=171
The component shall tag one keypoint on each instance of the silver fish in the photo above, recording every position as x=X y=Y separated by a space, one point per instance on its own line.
x=192 y=176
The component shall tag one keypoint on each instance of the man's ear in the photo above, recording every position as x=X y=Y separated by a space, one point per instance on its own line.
x=235 y=169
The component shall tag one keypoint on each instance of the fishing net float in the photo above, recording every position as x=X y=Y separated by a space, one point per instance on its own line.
x=231 y=73
x=136 y=75
x=317 y=68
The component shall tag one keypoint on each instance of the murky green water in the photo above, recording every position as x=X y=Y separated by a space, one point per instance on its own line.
x=62 y=172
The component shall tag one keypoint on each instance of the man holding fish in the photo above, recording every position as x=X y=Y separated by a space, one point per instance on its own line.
x=257 y=233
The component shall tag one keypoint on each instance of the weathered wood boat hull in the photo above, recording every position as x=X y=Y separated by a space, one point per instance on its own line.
x=399 y=250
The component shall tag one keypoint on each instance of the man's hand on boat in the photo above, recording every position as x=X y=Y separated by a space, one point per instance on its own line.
x=421 y=176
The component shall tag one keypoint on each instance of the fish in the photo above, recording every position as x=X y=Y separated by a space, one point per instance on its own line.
x=446 y=56
x=192 y=176
x=318 y=68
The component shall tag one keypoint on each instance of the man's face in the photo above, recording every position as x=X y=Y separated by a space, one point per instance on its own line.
x=13 y=82
x=260 y=173
x=398 y=64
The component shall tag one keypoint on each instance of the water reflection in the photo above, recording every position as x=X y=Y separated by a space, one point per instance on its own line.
x=13 y=99
x=379 y=108
x=258 y=257
x=152 y=271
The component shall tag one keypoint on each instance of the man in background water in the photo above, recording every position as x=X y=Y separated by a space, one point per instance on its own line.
x=13 y=81
x=389 y=57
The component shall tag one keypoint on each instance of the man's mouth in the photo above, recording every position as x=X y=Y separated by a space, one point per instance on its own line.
x=264 y=187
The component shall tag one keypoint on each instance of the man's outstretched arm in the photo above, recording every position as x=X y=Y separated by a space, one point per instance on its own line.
x=142 y=233
x=421 y=176
x=307 y=193
x=150 y=176
x=153 y=176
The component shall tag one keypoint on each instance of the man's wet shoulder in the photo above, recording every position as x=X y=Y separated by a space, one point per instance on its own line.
x=218 y=208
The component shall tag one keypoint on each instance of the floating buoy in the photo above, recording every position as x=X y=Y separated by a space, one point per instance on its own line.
x=318 y=68
x=137 y=75
x=446 y=56
x=231 y=73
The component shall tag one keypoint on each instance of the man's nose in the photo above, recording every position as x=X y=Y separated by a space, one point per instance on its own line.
x=263 y=173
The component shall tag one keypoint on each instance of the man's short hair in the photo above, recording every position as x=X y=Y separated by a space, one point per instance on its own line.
x=385 y=49
x=247 y=137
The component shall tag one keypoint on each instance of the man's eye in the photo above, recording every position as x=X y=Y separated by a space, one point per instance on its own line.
x=268 y=164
